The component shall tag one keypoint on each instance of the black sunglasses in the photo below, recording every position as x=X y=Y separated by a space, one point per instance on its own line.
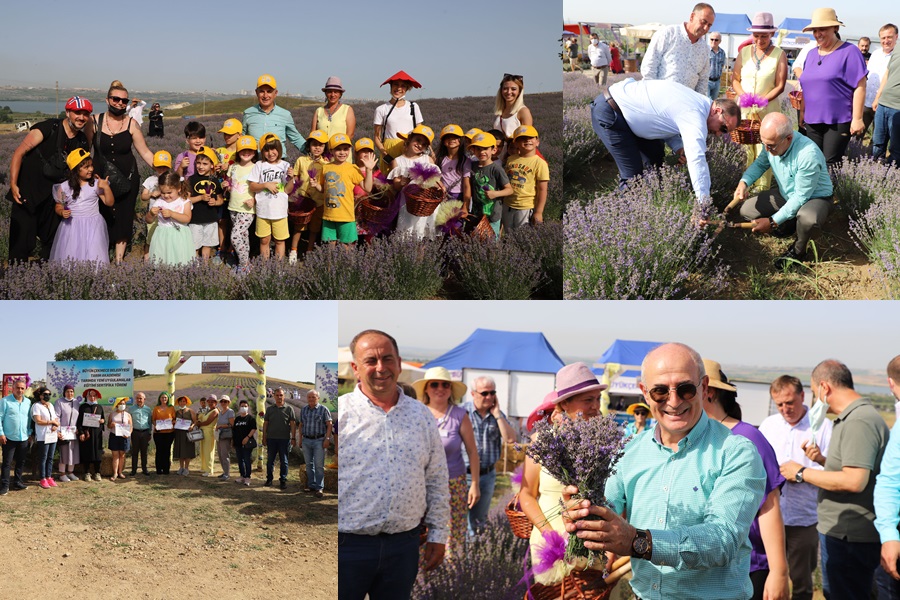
x=118 y=99
x=508 y=76
x=439 y=384
x=641 y=413
x=684 y=391
x=488 y=393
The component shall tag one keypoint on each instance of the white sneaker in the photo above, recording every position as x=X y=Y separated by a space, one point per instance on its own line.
x=292 y=257
x=64 y=479
x=72 y=476
x=247 y=481
x=98 y=477
x=204 y=474
x=186 y=472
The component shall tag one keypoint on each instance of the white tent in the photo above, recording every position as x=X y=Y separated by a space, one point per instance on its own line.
x=641 y=32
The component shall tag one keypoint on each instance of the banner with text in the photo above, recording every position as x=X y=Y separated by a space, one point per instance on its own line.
x=112 y=378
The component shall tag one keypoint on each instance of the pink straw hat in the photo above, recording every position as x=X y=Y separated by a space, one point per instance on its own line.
x=576 y=378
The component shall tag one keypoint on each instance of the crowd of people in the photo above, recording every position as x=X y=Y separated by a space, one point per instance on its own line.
x=786 y=188
x=74 y=428
x=75 y=182
x=702 y=504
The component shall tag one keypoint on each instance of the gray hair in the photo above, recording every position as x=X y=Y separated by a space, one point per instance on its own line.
x=484 y=380
x=314 y=392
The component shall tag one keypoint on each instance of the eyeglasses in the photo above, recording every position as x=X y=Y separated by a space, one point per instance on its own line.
x=773 y=146
x=439 y=384
x=685 y=391
x=118 y=99
x=511 y=76
x=488 y=393
x=723 y=128
x=641 y=413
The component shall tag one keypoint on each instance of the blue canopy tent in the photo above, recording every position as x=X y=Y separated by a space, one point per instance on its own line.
x=627 y=352
x=620 y=367
x=733 y=28
x=523 y=365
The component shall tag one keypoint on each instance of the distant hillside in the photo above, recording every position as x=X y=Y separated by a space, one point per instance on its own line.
x=233 y=105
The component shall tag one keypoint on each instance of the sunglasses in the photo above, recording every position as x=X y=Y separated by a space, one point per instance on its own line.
x=488 y=393
x=511 y=76
x=715 y=39
x=118 y=99
x=685 y=391
x=641 y=413
x=723 y=128
x=439 y=384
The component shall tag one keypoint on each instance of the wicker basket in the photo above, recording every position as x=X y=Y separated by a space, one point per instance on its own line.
x=796 y=98
x=578 y=585
x=302 y=212
x=747 y=132
x=478 y=227
x=423 y=202
x=520 y=524
x=374 y=209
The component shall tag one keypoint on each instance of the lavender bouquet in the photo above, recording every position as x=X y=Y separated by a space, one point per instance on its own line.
x=583 y=453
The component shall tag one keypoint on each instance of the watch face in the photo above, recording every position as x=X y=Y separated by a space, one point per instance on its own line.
x=641 y=545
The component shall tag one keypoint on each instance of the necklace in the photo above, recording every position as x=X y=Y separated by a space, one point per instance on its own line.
x=722 y=420
x=759 y=60
x=330 y=113
x=109 y=128
x=827 y=52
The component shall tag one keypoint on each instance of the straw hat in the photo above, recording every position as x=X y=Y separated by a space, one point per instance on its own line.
x=763 y=22
x=457 y=388
x=633 y=407
x=823 y=17
x=717 y=378
x=575 y=379
x=334 y=83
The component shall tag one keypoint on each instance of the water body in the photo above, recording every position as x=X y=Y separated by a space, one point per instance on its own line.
x=27 y=106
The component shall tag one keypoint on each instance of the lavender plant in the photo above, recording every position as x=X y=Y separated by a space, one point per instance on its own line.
x=546 y=243
x=858 y=183
x=727 y=162
x=877 y=233
x=494 y=270
x=583 y=146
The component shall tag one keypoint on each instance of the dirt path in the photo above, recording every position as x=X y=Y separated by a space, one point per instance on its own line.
x=168 y=536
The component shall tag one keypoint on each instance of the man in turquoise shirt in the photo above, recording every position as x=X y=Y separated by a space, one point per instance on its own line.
x=15 y=422
x=266 y=117
x=802 y=200
x=688 y=490
x=140 y=436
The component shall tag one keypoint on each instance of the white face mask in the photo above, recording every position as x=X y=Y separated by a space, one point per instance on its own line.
x=120 y=408
x=244 y=410
x=595 y=41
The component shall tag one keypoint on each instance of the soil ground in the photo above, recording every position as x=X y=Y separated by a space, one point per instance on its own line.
x=160 y=536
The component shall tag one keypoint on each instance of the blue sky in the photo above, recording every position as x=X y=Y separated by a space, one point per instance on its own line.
x=747 y=333
x=458 y=48
x=303 y=333
x=859 y=18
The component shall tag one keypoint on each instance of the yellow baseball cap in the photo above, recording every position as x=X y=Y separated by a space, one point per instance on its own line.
x=364 y=144
x=472 y=132
x=483 y=139
x=318 y=135
x=75 y=157
x=231 y=127
x=246 y=142
x=208 y=153
x=268 y=80
x=162 y=159
x=420 y=130
x=452 y=130
x=525 y=131
x=339 y=139
x=266 y=138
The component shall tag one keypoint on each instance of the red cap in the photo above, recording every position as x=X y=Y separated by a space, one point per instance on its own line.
x=79 y=103
x=402 y=76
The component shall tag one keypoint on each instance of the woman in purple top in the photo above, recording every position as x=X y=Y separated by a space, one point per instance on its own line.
x=768 y=561
x=834 y=88
x=438 y=392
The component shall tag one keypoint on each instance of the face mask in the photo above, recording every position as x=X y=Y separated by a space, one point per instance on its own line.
x=117 y=110
x=244 y=410
x=120 y=408
x=595 y=42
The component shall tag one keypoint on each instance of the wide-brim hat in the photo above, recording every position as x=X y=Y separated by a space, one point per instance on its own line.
x=576 y=378
x=717 y=378
x=334 y=83
x=122 y=400
x=402 y=76
x=543 y=411
x=633 y=407
x=823 y=17
x=84 y=394
x=185 y=398
x=457 y=388
x=762 y=22
x=225 y=398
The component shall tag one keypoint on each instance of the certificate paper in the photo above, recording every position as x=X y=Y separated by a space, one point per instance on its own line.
x=123 y=430
x=91 y=420
x=51 y=437
x=164 y=425
x=68 y=432
x=183 y=424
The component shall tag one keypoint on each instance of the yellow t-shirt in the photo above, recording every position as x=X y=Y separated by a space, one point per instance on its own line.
x=225 y=155
x=338 y=182
x=524 y=173
x=302 y=168
x=240 y=189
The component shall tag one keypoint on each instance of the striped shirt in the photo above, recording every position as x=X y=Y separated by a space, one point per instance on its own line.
x=698 y=504
x=315 y=421
x=487 y=436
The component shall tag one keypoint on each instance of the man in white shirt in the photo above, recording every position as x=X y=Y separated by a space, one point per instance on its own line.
x=786 y=432
x=136 y=111
x=678 y=52
x=598 y=53
x=877 y=64
x=635 y=118
x=393 y=476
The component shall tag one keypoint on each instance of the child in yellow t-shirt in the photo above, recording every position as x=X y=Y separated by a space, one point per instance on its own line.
x=529 y=176
x=336 y=181
x=307 y=168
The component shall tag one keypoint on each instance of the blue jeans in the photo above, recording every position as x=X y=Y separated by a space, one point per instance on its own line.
x=849 y=567
x=314 y=455
x=714 y=89
x=280 y=447
x=478 y=513
x=244 y=460
x=382 y=566
x=888 y=587
x=630 y=152
x=887 y=128
x=45 y=453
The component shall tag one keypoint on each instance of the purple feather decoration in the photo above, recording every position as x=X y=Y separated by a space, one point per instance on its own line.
x=419 y=171
x=554 y=549
x=516 y=477
x=751 y=100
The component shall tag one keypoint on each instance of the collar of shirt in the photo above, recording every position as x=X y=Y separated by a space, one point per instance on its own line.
x=861 y=401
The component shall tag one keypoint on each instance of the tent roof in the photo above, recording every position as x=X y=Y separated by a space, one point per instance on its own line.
x=502 y=351
x=794 y=24
x=731 y=23
x=644 y=31
x=627 y=352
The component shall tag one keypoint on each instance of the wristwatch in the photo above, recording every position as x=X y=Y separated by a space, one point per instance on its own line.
x=799 y=476
x=642 y=544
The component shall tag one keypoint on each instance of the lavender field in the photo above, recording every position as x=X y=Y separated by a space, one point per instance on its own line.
x=390 y=268
x=640 y=244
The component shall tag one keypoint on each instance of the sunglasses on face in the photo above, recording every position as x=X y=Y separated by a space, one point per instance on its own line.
x=488 y=393
x=641 y=413
x=118 y=99
x=685 y=391
x=439 y=384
